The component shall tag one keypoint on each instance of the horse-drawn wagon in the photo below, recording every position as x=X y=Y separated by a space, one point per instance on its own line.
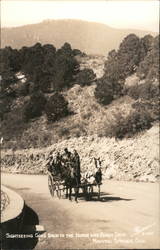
x=61 y=184
x=58 y=188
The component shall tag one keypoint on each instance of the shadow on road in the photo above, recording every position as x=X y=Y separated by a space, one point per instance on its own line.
x=26 y=238
x=109 y=199
x=103 y=198
x=81 y=195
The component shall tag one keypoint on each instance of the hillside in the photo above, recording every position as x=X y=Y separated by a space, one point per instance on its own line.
x=135 y=159
x=87 y=117
x=103 y=107
x=89 y=37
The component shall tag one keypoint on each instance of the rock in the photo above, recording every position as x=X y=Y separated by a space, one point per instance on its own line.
x=150 y=178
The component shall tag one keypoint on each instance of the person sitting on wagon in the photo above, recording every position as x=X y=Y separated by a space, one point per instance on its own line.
x=66 y=157
x=57 y=163
x=50 y=164
x=66 y=163
x=76 y=166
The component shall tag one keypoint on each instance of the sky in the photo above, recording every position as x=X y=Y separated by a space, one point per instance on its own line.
x=118 y=14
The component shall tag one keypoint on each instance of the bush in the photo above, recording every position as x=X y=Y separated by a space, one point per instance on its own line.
x=151 y=107
x=64 y=132
x=85 y=77
x=107 y=90
x=146 y=91
x=8 y=80
x=5 y=104
x=136 y=121
x=34 y=107
x=56 y=107
x=133 y=92
x=22 y=89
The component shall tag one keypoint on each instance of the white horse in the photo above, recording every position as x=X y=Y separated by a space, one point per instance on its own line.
x=91 y=178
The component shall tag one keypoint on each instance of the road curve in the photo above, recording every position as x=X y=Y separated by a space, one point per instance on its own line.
x=127 y=215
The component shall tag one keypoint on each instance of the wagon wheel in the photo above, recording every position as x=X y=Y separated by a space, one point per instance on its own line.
x=50 y=185
x=99 y=191
x=58 y=190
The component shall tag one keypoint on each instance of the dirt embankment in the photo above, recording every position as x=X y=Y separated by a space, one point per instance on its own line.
x=130 y=159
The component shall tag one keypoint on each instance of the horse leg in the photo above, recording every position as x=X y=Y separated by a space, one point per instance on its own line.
x=70 y=193
x=59 y=193
x=84 y=192
x=99 y=192
x=90 y=192
x=57 y=190
x=87 y=193
x=66 y=192
x=76 y=191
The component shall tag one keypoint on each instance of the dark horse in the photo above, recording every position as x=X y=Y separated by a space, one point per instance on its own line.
x=71 y=180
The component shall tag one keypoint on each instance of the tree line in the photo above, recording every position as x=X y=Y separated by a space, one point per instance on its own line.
x=46 y=70
x=139 y=56
x=134 y=55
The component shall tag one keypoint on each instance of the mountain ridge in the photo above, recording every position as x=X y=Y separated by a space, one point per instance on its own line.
x=89 y=37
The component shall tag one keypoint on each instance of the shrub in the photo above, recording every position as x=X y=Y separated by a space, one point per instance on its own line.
x=86 y=115
x=151 y=106
x=136 y=121
x=22 y=89
x=34 y=107
x=5 y=104
x=56 y=107
x=146 y=91
x=64 y=132
x=8 y=80
x=133 y=91
x=107 y=90
x=85 y=77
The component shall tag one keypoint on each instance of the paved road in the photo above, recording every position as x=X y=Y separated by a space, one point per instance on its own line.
x=126 y=216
